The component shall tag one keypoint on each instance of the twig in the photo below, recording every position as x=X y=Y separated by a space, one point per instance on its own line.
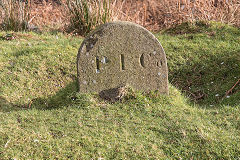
x=29 y=106
x=197 y=97
x=230 y=90
x=31 y=20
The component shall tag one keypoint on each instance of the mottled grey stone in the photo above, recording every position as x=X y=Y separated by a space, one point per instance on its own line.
x=121 y=54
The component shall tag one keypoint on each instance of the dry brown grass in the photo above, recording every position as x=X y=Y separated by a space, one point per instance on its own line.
x=152 y=14
x=49 y=15
x=158 y=14
x=14 y=15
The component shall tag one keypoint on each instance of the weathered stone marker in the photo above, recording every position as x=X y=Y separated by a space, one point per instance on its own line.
x=119 y=54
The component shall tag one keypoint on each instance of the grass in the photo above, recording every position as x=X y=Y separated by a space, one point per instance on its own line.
x=43 y=117
x=36 y=66
x=204 y=61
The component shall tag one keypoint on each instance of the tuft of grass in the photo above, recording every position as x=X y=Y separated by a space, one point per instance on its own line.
x=85 y=15
x=14 y=15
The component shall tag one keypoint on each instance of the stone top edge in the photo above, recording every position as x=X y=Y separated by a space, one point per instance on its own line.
x=118 y=23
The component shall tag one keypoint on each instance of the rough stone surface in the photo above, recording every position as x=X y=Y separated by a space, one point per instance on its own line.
x=121 y=54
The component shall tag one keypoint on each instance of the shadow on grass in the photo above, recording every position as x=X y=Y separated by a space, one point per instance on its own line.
x=62 y=98
x=201 y=81
x=207 y=81
x=6 y=106
x=188 y=28
x=210 y=71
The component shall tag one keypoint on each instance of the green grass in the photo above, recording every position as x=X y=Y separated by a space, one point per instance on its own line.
x=36 y=66
x=205 y=64
x=43 y=117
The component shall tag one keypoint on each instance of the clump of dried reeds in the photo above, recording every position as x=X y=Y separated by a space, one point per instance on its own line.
x=81 y=16
x=155 y=15
x=14 y=14
x=49 y=15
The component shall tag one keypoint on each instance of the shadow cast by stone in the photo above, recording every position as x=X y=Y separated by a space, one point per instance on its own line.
x=206 y=82
x=63 y=97
x=6 y=106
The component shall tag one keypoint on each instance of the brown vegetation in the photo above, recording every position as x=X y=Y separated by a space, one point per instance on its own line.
x=157 y=14
x=49 y=14
x=152 y=14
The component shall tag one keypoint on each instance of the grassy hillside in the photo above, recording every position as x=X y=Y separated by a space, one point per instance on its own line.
x=43 y=117
x=204 y=61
